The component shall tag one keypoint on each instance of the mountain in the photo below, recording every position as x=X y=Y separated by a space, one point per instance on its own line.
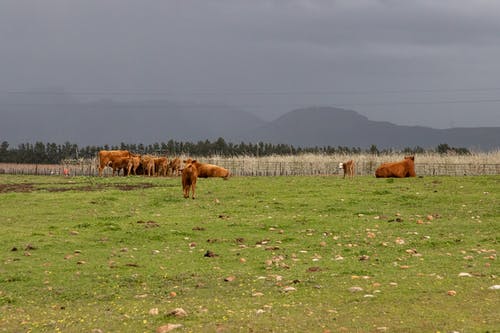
x=59 y=118
x=328 y=126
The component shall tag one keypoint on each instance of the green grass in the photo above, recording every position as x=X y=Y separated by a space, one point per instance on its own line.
x=82 y=254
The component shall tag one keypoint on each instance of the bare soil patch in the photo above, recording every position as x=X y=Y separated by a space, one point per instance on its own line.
x=27 y=187
x=30 y=187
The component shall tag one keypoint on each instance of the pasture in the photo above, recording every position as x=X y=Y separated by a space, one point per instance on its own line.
x=251 y=254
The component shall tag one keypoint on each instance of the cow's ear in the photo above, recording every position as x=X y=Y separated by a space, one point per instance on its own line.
x=184 y=161
x=194 y=161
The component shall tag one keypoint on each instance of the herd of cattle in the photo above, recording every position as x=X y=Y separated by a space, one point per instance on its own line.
x=137 y=164
x=192 y=169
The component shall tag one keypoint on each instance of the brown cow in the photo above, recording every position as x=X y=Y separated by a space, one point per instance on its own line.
x=209 y=170
x=161 y=166
x=148 y=165
x=189 y=176
x=175 y=166
x=348 y=168
x=401 y=169
x=107 y=156
x=133 y=163
x=120 y=163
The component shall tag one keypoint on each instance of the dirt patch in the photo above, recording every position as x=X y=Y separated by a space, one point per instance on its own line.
x=128 y=187
x=26 y=187
x=149 y=224
x=30 y=187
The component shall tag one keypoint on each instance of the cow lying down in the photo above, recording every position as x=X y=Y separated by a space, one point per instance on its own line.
x=401 y=169
x=194 y=169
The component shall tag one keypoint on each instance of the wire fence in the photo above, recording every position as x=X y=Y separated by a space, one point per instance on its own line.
x=267 y=168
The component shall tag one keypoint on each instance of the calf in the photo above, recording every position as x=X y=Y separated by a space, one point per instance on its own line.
x=189 y=176
x=161 y=166
x=175 y=166
x=119 y=163
x=348 y=168
x=148 y=165
x=133 y=163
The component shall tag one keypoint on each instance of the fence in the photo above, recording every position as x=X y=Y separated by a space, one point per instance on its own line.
x=258 y=167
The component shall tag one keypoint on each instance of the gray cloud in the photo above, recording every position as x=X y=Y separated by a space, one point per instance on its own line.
x=432 y=63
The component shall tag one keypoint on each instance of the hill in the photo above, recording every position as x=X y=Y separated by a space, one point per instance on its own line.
x=322 y=126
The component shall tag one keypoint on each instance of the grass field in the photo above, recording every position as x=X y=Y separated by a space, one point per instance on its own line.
x=251 y=254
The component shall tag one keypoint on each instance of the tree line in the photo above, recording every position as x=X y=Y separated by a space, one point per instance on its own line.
x=52 y=153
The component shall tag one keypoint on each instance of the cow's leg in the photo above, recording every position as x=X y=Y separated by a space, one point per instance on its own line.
x=193 y=187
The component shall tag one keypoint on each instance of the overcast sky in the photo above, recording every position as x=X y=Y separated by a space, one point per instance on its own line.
x=423 y=62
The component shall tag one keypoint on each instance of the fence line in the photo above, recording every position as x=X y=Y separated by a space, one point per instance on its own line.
x=268 y=168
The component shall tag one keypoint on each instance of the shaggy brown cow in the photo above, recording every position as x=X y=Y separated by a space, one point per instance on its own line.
x=161 y=166
x=401 y=169
x=189 y=176
x=348 y=168
x=148 y=165
x=209 y=170
x=175 y=166
x=107 y=156
x=133 y=163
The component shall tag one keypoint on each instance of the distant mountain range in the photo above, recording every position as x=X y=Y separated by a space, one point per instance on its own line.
x=61 y=119
x=321 y=126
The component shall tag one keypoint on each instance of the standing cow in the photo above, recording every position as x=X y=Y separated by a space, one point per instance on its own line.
x=175 y=166
x=148 y=165
x=106 y=157
x=348 y=168
x=161 y=166
x=120 y=163
x=401 y=169
x=133 y=164
x=194 y=169
x=189 y=177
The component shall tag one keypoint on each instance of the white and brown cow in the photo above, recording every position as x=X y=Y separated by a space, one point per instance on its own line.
x=348 y=168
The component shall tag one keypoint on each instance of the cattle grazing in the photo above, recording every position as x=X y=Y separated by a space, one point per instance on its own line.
x=161 y=166
x=174 y=166
x=133 y=163
x=108 y=156
x=189 y=176
x=120 y=163
x=348 y=168
x=401 y=169
x=148 y=165
x=209 y=170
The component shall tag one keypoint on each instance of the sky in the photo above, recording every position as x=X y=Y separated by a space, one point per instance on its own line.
x=433 y=63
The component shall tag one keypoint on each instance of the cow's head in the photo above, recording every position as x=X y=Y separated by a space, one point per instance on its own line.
x=341 y=165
